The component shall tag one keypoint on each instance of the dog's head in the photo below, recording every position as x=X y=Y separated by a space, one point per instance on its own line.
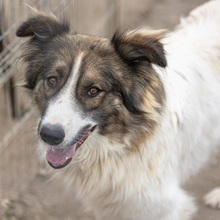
x=85 y=83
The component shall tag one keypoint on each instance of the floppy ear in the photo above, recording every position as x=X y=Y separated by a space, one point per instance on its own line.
x=140 y=45
x=42 y=27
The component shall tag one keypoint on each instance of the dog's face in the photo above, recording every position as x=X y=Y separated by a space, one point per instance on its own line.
x=84 y=83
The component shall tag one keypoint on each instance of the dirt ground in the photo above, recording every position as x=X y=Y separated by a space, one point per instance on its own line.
x=35 y=195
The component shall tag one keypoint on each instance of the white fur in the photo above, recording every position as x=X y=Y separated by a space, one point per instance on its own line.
x=63 y=108
x=147 y=186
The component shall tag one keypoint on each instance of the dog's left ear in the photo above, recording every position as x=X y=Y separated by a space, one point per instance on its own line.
x=140 y=45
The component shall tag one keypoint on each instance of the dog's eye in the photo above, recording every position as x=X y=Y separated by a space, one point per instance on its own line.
x=93 y=91
x=52 y=81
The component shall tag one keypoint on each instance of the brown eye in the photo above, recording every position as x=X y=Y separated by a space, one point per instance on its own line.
x=93 y=91
x=52 y=81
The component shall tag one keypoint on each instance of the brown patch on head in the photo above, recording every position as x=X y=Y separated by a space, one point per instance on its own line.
x=94 y=66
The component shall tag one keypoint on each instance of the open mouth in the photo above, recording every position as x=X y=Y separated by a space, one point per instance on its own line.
x=61 y=157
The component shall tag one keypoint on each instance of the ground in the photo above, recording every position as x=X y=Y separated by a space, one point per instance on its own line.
x=28 y=190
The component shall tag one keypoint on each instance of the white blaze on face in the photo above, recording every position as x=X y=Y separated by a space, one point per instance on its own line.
x=63 y=110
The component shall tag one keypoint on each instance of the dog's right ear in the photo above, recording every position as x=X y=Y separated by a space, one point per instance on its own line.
x=43 y=27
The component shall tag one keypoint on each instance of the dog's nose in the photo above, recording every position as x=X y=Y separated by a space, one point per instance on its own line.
x=52 y=134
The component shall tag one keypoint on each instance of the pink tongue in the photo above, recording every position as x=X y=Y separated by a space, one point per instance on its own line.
x=57 y=156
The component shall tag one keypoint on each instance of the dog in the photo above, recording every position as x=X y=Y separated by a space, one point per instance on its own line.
x=130 y=118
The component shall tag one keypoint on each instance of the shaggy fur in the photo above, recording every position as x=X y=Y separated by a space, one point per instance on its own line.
x=140 y=111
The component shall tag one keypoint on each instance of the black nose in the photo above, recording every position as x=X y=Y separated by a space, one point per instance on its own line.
x=52 y=134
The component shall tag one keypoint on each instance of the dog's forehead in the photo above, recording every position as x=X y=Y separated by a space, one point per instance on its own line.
x=66 y=49
x=80 y=58
x=88 y=43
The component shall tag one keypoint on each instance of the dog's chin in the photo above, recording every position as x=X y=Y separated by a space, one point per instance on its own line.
x=60 y=157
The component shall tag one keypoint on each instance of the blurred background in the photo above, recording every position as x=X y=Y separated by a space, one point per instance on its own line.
x=27 y=189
